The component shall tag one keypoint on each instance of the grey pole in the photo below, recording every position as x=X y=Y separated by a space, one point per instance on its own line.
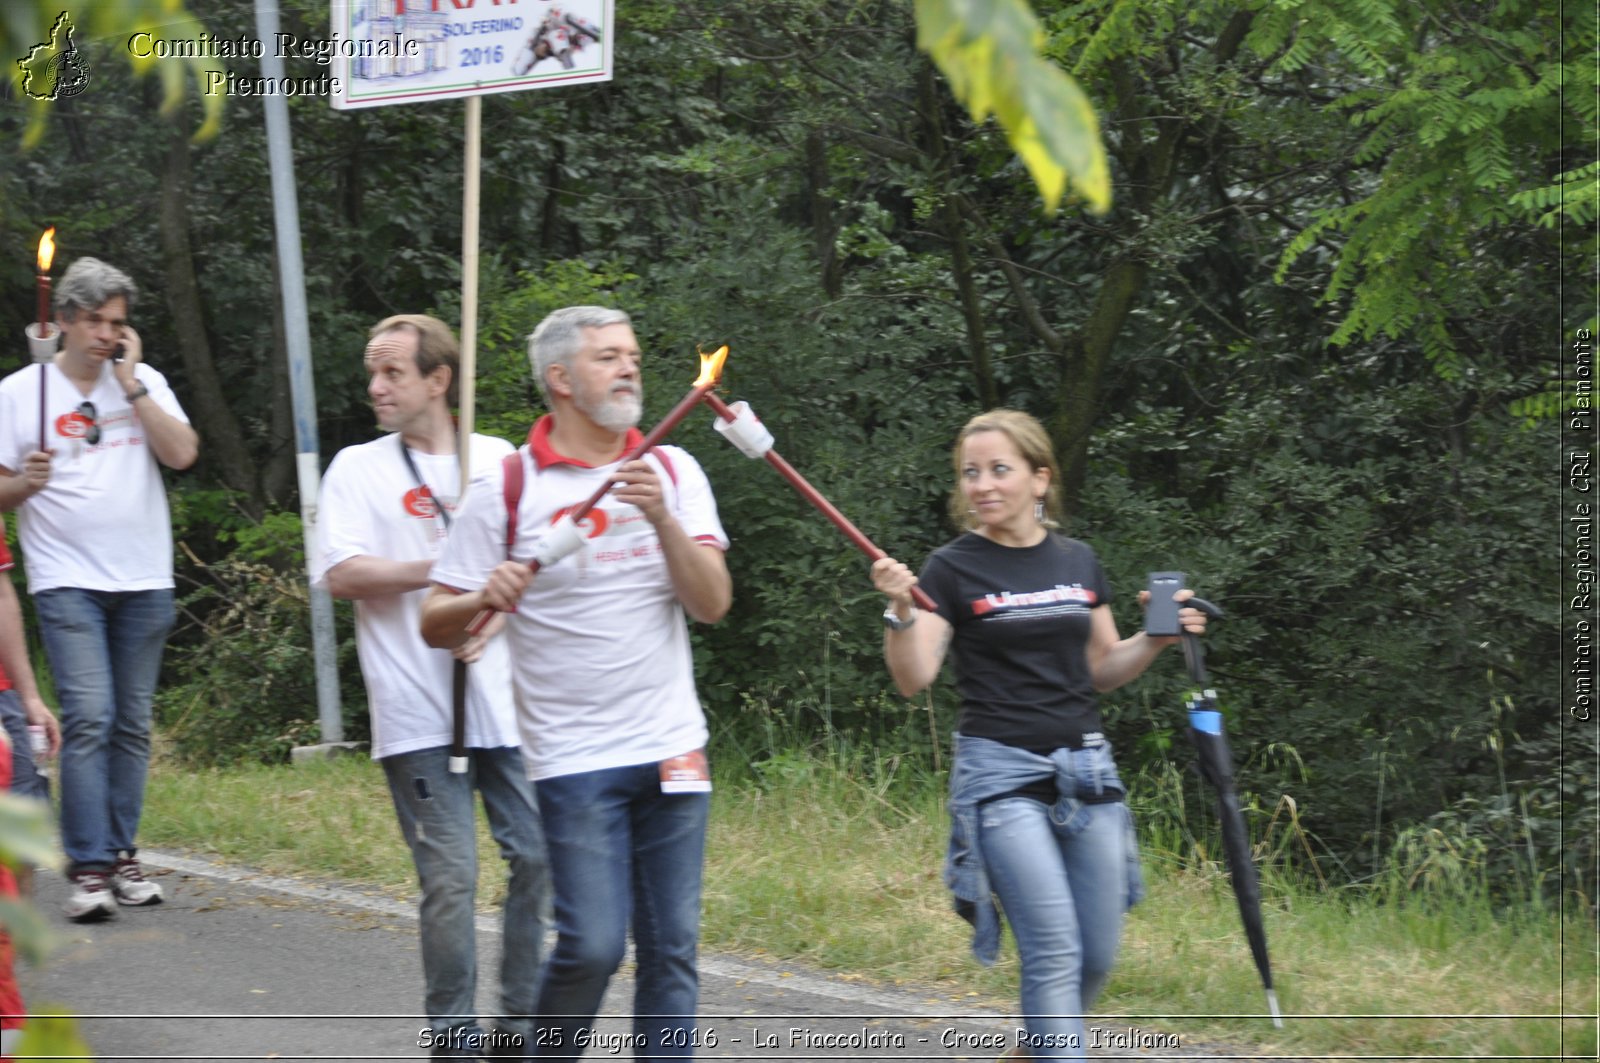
x=291 y=275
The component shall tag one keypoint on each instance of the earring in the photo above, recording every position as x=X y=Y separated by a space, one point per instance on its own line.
x=1038 y=510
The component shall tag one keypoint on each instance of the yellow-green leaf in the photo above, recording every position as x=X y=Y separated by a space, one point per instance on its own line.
x=989 y=51
x=31 y=41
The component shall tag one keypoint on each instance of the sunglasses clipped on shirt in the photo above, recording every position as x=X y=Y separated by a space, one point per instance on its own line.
x=87 y=411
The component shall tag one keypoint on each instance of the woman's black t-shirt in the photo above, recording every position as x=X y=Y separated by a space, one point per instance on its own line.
x=1020 y=620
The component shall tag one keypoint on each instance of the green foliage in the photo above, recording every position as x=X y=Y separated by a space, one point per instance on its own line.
x=1573 y=197
x=1465 y=129
x=1355 y=632
x=241 y=674
x=27 y=837
x=990 y=52
x=52 y=1033
x=1528 y=839
x=103 y=31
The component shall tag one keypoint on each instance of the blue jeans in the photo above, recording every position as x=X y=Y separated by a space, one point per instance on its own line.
x=1061 y=873
x=105 y=656
x=439 y=821
x=26 y=779
x=621 y=848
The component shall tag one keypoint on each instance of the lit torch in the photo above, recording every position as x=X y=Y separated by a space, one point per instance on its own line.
x=43 y=335
x=47 y=254
x=710 y=373
x=745 y=432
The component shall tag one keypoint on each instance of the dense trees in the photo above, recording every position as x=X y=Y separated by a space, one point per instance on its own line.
x=1284 y=360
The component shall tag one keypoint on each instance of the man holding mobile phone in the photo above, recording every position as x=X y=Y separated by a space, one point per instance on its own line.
x=94 y=529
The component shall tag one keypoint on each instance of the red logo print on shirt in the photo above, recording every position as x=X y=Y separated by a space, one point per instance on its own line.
x=594 y=524
x=419 y=502
x=1057 y=596
x=72 y=425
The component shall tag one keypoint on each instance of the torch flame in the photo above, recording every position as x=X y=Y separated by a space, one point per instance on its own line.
x=47 y=249
x=711 y=366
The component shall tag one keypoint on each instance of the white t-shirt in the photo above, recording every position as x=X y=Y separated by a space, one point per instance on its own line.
x=101 y=523
x=372 y=505
x=599 y=643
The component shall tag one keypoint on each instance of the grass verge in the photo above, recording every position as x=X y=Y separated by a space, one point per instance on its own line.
x=833 y=861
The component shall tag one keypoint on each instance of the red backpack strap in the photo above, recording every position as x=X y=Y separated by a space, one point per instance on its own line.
x=512 y=492
x=666 y=463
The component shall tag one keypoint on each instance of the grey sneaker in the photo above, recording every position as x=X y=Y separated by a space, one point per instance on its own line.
x=90 y=900
x=130 y=886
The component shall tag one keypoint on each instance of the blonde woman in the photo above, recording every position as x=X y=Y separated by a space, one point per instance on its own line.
x=1038 y=814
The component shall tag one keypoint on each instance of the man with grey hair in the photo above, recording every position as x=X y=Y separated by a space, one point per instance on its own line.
x=94 y=528
x=612 y=729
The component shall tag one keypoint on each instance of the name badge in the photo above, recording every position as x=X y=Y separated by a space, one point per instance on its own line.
x=689 y=773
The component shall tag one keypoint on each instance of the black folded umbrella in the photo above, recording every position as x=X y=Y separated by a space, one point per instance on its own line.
x=1216 y=765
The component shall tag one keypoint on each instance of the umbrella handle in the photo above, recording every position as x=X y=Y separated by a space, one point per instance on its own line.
x=1195 y=658
x=1193 y=655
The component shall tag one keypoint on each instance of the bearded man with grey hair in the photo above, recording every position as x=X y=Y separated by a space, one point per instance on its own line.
x=94 y=529
x=612 y=729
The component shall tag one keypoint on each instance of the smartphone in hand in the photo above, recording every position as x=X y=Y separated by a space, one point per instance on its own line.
x=1161 y=614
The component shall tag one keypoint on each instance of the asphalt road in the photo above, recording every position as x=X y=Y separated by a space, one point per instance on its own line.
x=239 y=965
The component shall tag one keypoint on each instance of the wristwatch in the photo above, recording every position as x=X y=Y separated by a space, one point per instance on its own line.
x=892 y=621
x=137 y=393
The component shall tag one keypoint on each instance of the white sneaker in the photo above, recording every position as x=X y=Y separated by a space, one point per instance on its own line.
x=130 y=886
x=91 y=899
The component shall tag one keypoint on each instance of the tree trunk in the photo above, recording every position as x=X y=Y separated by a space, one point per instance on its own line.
x=824 y=227
x=280 y=478
x=550 y=210
x=955 y=231
x=1086 y=354
x=222 y=445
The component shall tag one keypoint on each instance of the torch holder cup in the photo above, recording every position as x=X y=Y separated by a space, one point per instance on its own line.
x=745 y=431
x=42 y=342
x=563 y=537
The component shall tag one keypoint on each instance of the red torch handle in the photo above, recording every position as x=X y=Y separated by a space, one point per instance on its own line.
x=645 y=445
x=812 y=495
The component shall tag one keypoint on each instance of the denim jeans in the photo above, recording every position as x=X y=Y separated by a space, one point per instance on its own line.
x=439 y=821
x=621 y=848
x=26 y=779
x=1061 y=873
x=105 y=651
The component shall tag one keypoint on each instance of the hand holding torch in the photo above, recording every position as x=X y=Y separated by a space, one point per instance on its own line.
x=565 y=535
x=739 y=425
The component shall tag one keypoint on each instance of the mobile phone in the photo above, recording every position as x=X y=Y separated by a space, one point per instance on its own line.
x=119 y=351
x=1161 y=614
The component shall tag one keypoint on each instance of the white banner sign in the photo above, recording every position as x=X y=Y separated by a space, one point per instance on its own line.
x=404 y=51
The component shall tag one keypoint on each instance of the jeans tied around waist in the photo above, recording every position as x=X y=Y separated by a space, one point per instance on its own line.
x=985 y=769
